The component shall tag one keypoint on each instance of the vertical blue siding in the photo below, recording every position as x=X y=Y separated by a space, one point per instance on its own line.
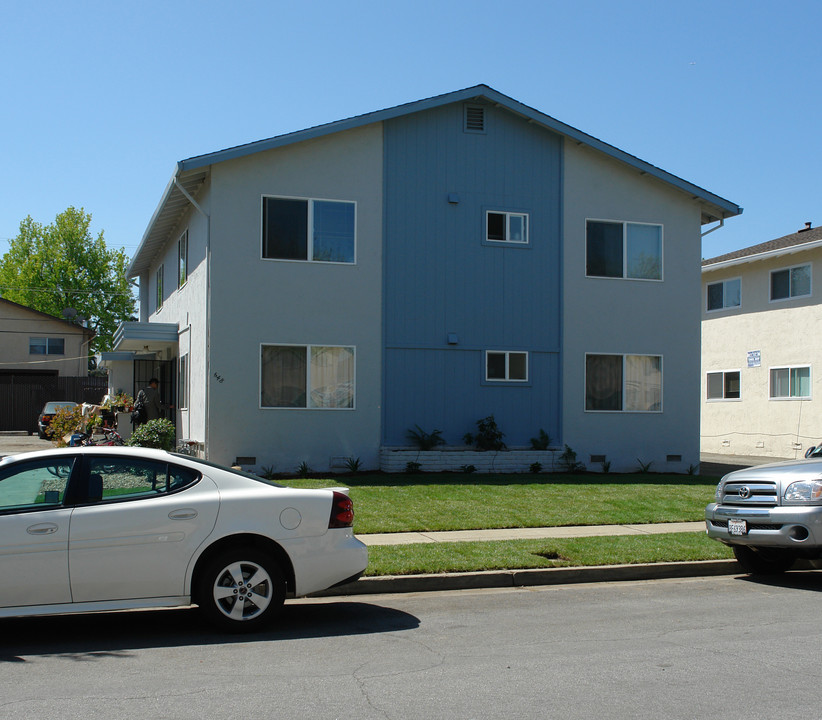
x=440 y=277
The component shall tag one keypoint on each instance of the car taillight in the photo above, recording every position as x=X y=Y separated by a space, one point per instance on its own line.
x=342 y=511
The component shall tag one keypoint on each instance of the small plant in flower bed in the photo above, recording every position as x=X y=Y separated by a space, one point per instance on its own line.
x=158 y=433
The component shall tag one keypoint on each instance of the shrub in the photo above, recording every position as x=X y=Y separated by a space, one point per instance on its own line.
x=353 y=464
x=66 y=420
x=568 y=461
x=303 y=470
x=468 y=469
x=488 y=437
x=158 y=433
x=536 y=467
x=542 y=441
x=424 y=440
x=412 y=467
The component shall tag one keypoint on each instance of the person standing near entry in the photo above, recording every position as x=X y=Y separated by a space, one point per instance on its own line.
x=149 y=398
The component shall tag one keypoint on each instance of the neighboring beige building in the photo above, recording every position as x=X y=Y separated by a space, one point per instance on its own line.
x=761 y=351
x=35 y=343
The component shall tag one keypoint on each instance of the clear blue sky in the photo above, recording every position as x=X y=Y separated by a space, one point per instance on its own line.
x=100 y=99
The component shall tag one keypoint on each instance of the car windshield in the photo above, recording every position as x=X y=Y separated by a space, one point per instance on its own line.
x=53 y=407
x=241 y=473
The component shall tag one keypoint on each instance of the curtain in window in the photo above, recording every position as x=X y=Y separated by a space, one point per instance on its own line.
x=603 y=382
x=643 y=383
x=332 y=377
x=283 y=376
x=801 y=281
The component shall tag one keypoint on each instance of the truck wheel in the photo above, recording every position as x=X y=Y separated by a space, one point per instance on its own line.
x=763 y=561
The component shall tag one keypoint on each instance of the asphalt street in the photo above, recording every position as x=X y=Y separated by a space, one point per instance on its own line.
x=687 y=648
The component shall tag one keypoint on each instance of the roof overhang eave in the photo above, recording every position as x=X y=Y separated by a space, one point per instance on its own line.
x=779 y=252
x=166 y=218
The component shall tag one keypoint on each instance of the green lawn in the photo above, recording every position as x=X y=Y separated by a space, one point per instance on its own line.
x=449 y=501
x=520 y=554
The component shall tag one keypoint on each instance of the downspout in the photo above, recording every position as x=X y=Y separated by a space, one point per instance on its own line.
x=207 y=217
x=715 y=227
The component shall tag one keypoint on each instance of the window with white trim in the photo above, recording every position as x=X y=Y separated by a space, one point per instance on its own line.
x=623 y=250
x=623 y=383
x=790 y=382
x=724 y=385
x=182 y=259
x=159 y=281
x=725 y=294
x=506 y=227
x=47 y=346
x=306 y=229
x=791 y=282
x=506 y=366
x=307 y=376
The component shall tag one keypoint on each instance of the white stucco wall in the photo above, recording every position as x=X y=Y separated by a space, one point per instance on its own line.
x=604 y=315
x=186 y=307
x=260 y=301
x=784 y=334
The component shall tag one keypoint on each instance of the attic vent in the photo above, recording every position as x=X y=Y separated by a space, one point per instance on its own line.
x=474 y=119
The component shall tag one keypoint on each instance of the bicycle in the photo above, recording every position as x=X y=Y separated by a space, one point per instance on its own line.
x=111 y=437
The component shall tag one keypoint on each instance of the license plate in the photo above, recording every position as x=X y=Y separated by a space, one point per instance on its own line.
x=738 y=527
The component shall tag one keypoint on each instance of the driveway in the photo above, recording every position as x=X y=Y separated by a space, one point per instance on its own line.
x=18 y=442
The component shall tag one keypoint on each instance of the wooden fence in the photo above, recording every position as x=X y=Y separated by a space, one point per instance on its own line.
x=22 y=399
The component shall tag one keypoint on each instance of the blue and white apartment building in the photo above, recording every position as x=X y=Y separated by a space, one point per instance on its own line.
x=313 y=296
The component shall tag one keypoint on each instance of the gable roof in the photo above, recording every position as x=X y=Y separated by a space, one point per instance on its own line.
x=805 y=239
x=190 y=174
x=39 y=316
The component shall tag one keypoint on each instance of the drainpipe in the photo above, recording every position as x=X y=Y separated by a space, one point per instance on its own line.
x=208 y=308
x=716 y=227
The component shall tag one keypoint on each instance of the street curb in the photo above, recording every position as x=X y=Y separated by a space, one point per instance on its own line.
x=532 y=577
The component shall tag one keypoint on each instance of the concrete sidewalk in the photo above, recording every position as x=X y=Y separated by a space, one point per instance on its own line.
x=537 y=576
x=574 y=531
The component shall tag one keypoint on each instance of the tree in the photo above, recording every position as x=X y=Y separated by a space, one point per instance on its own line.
x=54 y=267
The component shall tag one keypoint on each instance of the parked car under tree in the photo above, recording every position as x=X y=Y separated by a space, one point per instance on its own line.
x=110 y=528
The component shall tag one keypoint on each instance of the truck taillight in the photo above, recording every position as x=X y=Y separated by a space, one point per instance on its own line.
x=342 y=511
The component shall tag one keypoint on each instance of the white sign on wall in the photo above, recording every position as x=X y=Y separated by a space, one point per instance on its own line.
x=754 y=358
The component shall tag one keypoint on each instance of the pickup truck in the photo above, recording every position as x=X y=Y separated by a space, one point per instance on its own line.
x=770 y=515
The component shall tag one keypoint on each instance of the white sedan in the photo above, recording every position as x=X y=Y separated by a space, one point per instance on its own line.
x=109 y=528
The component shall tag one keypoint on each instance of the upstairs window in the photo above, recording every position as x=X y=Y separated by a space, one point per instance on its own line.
x=315 y=230
x=506 y=227
x=159 y=280
x=791 y=282
x=182 y=259
x=47 y=346
x=725 y=294
x=623 y=250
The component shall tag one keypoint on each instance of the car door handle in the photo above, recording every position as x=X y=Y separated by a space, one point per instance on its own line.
x=183 y=514
x=42 y=529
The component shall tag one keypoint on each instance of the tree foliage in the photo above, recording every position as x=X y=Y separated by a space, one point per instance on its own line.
x=53 y=267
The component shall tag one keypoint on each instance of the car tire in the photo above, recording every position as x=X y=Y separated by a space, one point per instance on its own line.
x=241 y=590
x=763 y=561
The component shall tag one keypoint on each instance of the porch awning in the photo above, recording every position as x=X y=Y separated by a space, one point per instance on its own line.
x=146 y=337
